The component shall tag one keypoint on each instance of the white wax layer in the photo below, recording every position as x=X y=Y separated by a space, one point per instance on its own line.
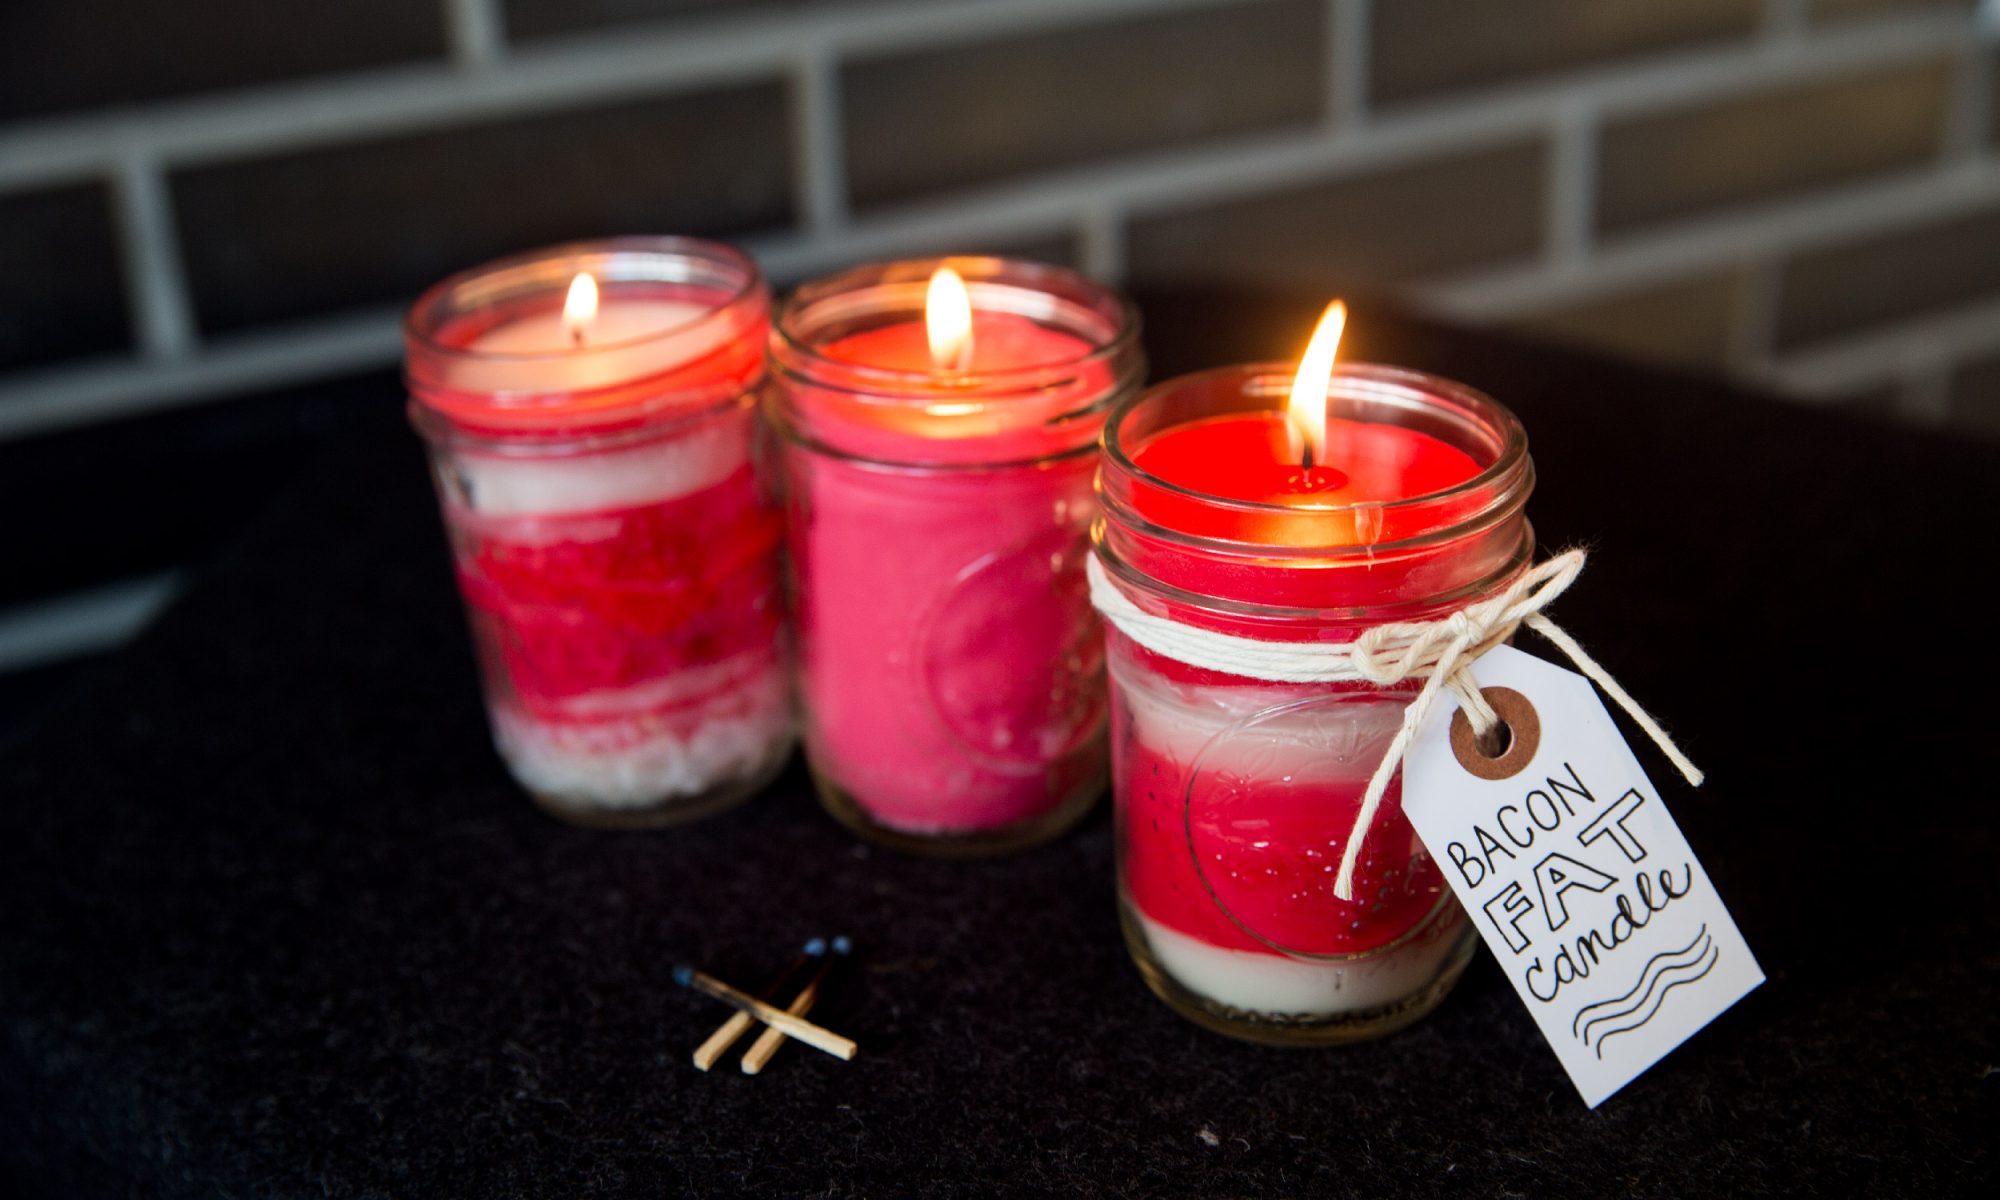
x=1270 y=983
x=501 y=485
x=629 y=339
x=640 y=761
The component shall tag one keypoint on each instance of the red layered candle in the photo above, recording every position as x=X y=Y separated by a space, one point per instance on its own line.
x=939 y=450
x=1229 y=509
x=589 y=411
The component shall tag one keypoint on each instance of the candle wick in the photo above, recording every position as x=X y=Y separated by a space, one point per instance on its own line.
x=1306 y=458
x=576 y=336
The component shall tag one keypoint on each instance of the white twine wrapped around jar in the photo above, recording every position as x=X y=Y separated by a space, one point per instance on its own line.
x=1440 y=653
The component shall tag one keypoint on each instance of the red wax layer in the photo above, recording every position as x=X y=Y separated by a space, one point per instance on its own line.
x=1271 y=850
x=1251 y=457
x=589 y=602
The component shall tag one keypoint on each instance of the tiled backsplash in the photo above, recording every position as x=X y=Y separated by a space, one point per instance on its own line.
x=206 y=204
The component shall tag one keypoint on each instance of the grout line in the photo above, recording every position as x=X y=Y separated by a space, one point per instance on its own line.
x=1350 y=26
x=653 y=61
x=61 y=397
x=81 y=623
x=155 y=286
x=1572 y=185
x=476 y=32
x=1100 y=240
x=819 y=160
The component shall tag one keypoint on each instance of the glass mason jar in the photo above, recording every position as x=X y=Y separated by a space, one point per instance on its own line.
x=618 y=560
x=950 y=671
x=1234 y=796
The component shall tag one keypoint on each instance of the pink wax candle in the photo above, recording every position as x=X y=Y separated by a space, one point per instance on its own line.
x=1235 y=795
x=590 y=412
x=938 y=467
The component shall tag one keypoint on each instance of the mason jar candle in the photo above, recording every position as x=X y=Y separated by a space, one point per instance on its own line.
x=589 y=411
x=938 y=423
x=1236 y=796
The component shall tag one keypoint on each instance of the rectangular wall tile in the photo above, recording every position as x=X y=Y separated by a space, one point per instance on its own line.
x=1975 y=396
x=360 y=223
x=1688 y=321
x=1475 y=208
x=57 y=55
x=936 y=119
x=1422 y=48
x=528 y=20
x=61 y=290
x=1841 y=289
x=1771 y=144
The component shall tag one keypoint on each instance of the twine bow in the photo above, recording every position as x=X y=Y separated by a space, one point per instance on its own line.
x=1440 y=653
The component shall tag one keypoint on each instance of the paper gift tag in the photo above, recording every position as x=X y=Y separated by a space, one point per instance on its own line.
x=1574 y=873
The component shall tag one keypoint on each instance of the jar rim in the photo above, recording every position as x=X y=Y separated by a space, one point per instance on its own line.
x=1041 y=292
x=1508 y=475
x=502 y=277
x=693 y=363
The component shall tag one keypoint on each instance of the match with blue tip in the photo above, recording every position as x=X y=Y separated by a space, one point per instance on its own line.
x=818 y=1037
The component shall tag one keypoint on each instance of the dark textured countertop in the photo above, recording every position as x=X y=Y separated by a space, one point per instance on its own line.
x=278 y=925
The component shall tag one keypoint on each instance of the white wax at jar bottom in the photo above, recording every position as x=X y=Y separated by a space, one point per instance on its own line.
x=501 y=485
x=1271 y=983
x=641 y=759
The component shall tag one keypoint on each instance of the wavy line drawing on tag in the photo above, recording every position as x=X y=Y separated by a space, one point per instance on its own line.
x=1659 y=998
x=1649 y=977
x=1665 y=982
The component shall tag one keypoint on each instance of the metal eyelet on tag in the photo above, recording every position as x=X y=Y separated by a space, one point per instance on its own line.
x=1524 y=736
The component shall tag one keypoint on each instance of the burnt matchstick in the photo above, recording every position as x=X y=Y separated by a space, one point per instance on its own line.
x=738 y=1024
x=777 y=1018
x=770 y=1040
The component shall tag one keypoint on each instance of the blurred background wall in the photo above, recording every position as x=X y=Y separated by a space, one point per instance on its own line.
x=212 y=211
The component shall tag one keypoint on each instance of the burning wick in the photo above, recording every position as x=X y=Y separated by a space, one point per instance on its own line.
x=948 y=321
x=580 y=306
x=1306 y=413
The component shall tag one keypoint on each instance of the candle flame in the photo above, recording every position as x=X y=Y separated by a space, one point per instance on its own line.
x=948 y=321
x=580 y=306
x=1307 y=410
